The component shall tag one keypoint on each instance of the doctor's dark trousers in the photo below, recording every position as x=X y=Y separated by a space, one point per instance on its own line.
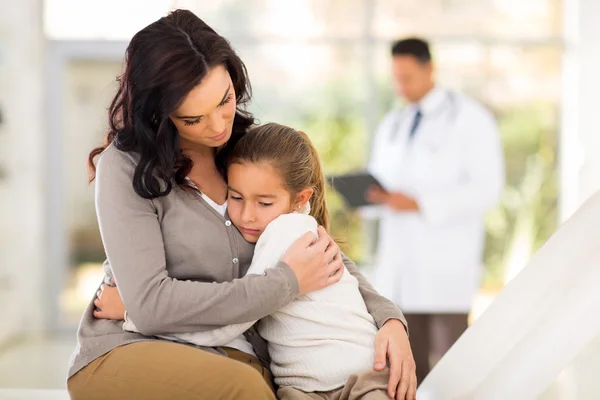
x=431 y=336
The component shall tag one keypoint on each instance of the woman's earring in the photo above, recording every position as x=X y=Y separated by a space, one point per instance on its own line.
x=299 y=206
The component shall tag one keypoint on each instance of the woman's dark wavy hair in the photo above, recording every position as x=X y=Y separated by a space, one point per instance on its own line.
x=164 y=61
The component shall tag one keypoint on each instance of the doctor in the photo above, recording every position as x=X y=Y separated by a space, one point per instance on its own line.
x=440 y=161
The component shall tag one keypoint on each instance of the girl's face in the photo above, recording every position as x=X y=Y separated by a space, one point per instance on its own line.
x=257 y=196
x=205 y=117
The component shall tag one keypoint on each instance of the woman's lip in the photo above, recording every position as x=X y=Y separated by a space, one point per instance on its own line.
x=250 y=231
x=220 y=135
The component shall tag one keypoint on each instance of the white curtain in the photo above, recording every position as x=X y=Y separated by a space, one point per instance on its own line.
x=535 y=327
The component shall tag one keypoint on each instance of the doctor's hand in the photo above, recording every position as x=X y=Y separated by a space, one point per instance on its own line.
x=391 y=343
x=395 y=200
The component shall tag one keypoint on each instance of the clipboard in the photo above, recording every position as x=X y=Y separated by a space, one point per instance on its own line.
x=353 y=187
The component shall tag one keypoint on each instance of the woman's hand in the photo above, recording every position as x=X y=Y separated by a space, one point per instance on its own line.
x=317 y=264
x=392 y=343
x=109 y=304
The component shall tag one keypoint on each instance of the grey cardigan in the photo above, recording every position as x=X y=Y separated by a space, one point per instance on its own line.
x=180 y=267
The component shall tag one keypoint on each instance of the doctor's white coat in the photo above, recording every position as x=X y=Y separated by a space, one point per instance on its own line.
x=431 y=261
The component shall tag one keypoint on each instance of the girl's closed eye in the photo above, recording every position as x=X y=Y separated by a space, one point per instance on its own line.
x=262 y=203
x=233 y=197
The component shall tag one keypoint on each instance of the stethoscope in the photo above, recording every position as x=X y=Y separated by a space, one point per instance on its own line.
x=449 y=104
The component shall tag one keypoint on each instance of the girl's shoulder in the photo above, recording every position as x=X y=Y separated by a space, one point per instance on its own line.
x=292 y=222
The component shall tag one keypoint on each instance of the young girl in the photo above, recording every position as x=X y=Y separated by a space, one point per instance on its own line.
x=322 y=341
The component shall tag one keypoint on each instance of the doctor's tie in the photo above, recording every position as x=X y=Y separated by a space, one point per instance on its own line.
x=415 y=124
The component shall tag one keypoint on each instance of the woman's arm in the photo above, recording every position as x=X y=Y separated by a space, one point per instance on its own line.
x=158 y=304
x=272 y=245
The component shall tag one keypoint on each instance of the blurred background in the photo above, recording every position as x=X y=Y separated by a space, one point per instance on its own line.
x=322 y=66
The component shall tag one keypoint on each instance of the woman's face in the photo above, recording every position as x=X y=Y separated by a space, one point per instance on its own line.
x=205 y=117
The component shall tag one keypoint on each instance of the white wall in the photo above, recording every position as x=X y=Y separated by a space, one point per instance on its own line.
x=21 y=157
x=580 y=131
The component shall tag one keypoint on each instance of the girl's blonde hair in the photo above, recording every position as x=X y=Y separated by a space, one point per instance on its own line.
x=291 y=153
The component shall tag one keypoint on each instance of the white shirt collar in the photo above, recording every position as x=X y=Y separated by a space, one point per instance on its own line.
x=432 y=100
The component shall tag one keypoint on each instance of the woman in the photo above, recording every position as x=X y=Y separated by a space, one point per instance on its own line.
x=177 y=259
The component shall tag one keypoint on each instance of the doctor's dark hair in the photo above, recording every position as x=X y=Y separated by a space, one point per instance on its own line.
x=165 y=61
x=291 y=153
x=418 y=48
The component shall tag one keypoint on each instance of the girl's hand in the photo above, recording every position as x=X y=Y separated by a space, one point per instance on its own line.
x=316 y=263
x=109 y=304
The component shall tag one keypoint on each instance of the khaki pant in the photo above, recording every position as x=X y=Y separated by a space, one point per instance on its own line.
x=431 y=336
x=164 y=370
x=368 y=385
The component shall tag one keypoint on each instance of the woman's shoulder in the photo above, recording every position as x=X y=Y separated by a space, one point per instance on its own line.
x=112 y=156
x=115 y=168
x=113 y=162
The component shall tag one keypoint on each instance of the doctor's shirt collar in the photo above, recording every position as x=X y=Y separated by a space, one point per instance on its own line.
x=432 y=100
